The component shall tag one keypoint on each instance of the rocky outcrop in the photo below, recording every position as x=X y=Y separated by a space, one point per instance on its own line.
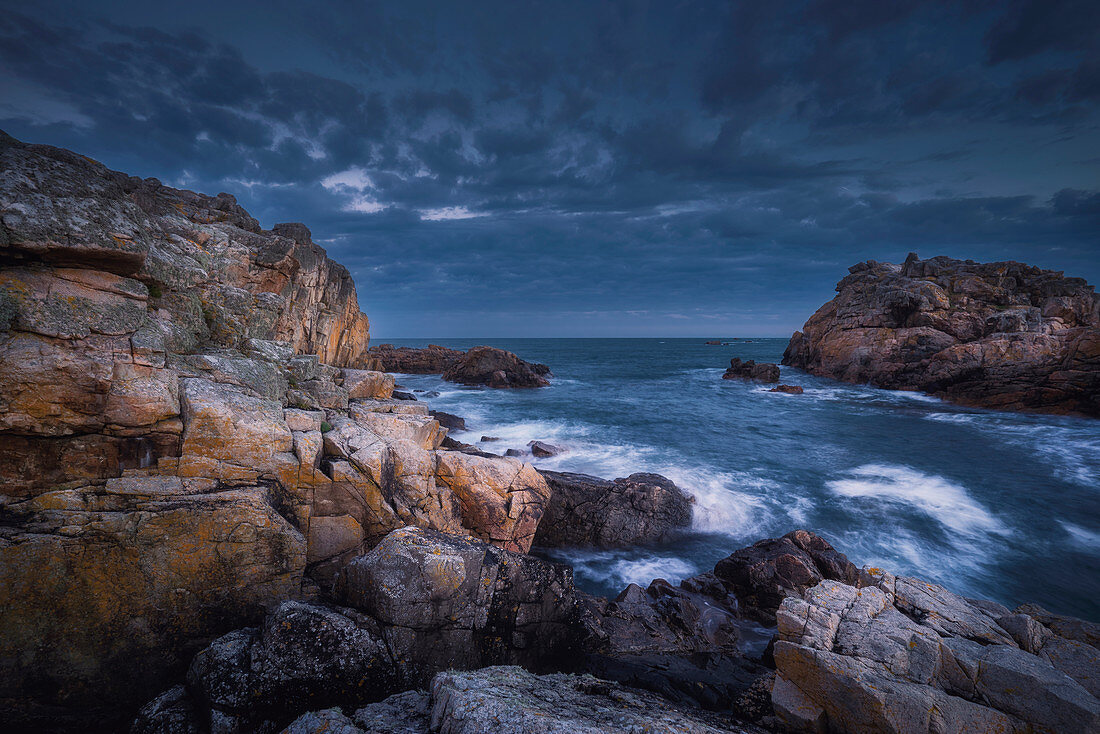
x=788 y=389
x=189 y=433
x=419 y=603
x=430 y=360
x=999 y=335
x=750 y=370
x=762 y=575
x=902 y=655
x=496 y=368
x=445 y=602
x=588 y=511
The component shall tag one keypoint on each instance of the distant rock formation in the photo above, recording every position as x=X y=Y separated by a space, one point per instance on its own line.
x=479 y=366
x=430 y=360
x=998 y=335
x=496 y=368
x=750 y=370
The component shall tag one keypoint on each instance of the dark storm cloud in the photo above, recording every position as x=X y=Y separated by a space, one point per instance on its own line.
x=616 y=167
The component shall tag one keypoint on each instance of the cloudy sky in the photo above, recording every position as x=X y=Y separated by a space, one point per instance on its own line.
x=593 y=169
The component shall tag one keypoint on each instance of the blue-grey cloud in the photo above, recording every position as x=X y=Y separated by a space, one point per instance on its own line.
x=594 y=168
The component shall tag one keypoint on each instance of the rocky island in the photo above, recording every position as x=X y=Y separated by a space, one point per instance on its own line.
x=217 y=518
x=997 y=335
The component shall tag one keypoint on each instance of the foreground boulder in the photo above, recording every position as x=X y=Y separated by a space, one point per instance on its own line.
x=762 y=575
x=902 y=655
x=496 y=368
x=446 y=602
x=999 y=335
x=750 y=370
x=588 y=511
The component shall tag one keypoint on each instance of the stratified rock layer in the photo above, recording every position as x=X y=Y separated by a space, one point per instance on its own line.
x=900 y=655
x=999 y=335
x=189 y=434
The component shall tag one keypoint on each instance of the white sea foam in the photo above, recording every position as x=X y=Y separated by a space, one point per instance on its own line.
x=947 y=503
x=1082 y=536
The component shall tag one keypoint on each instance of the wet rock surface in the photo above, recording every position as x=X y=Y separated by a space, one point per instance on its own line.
x=496 y=368
x=588 y=511
x=751 y=370
x=999 y=335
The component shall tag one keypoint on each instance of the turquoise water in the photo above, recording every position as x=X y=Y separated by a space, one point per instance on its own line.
x=995 y=505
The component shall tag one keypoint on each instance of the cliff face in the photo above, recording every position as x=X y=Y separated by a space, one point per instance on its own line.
x=1000 y=335
x=185 y=438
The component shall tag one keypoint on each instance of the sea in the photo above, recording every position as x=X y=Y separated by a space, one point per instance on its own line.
x=992 y=505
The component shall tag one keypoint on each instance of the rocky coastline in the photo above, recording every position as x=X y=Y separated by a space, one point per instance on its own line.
x=217 y=517
x=1001 y=335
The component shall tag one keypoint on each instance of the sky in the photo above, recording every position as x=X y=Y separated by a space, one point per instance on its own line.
x=590 y=168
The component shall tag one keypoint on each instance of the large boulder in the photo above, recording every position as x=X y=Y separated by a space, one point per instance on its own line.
x=999 y=335
x=750 y=370
x=762 y=575
x=443 y=601
x=902 y=655
x=496 y=368
x=588 y=511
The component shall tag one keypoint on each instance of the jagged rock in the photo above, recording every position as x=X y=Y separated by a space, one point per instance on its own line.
x=105 y=591
x=998 y=335
x=502 y=700
x=448 y=602
x=684 y=643
x=750 y=370
x=368 y=384
x=789 y=389
x=172 y=712
x=901 y=655
x=589 y=511
x=767 y=572
x=304 y=655
x=496 y=368
x=543 y=450
x=328 y=721
x=431 y=360
x=448 y=420
x=502 y=499
x=401 y=713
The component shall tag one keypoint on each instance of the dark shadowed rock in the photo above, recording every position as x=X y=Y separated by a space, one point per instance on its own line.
x=430 y=360
x=496 y=368
x=488 y=439
x=999 y=335
x=504 y=700
x=589 y=511
x=764 y=574
x=515 y=452
x=448 y=420
x=402 y=395
x=750 y=370
x=543 y=450
x=789 y=389
x=402 y=713
x=448 y=602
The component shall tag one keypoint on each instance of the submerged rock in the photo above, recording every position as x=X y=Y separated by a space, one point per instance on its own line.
x=496 y=368
x=544 y=450
x=750 y=370
x=589 y=511
x=789 y=389
x=999 y=335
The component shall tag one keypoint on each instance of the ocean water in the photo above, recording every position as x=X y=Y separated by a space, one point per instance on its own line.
x=1001 y=506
